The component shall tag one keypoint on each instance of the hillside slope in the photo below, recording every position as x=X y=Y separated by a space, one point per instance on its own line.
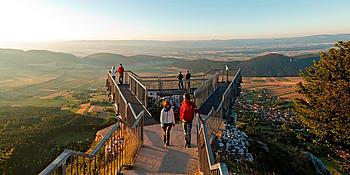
x=15 y=61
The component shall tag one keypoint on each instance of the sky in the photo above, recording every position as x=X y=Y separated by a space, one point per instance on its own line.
x=62 y=20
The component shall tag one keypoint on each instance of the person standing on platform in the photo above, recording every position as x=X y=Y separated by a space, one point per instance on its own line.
x=113 y=72
x=187 y=111
x=188 y=81
x=121 y=73
x=181 y=84
x=167 y=121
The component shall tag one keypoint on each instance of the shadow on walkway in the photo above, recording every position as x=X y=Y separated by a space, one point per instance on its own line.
x=154 y=158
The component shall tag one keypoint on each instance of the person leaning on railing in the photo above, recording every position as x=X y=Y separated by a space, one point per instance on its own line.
x=187 y=111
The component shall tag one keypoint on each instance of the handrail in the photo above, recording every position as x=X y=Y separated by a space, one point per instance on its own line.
x=109 y=150
x=228 y=89
x=133 y=73
x=214 y=120
x=133 y=77
x=232 y=82
x=172 y=76
x=221 y=167
x=62 y=158
x=116 y=85
x=137 y=120
x=176 y=79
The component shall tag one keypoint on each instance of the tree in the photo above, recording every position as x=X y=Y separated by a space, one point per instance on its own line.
x=325 y=111
x=5 y=154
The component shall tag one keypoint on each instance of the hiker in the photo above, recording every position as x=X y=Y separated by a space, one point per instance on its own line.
x=181 y=84
x=113 y=72
x=121 y=73
x=187 y=111
x=188 y=80
x=167 y=121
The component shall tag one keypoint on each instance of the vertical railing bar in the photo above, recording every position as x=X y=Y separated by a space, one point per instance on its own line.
x=89 y=165
x=77 y=165
x=71 y=165
x=84 y=165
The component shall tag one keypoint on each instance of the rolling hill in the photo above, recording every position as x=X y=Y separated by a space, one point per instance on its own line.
x=42 y=61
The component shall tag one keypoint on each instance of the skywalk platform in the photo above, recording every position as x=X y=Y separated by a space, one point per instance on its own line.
x=136 y=104
x=214 y=100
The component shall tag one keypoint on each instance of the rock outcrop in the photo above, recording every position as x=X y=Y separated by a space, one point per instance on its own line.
x=232 y=144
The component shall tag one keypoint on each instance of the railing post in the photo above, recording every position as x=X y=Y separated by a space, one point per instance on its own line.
x=146 y=98
x=63 y=172
x=142 y=123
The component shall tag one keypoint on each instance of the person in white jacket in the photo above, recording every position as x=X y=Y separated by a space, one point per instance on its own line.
x=113 y=72
x=167 y=121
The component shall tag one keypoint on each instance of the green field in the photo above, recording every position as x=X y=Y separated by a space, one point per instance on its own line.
x=37 y=110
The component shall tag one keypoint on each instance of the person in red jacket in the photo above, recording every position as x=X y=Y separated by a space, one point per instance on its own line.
x=121 y=73
x=187 y=111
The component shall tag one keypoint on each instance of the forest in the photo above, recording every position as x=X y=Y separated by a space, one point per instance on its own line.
x=38 y=134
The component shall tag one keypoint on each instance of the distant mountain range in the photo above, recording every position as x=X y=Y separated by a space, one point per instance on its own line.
x=219 y=50
x=41 y=60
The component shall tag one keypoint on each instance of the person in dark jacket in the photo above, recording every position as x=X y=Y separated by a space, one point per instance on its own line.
x=187 y=111
x=180 y=77
x=188 y=80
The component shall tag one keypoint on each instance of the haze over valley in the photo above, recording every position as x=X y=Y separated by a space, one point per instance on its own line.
x=219 y=50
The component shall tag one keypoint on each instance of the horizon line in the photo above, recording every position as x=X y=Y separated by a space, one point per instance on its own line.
x=180 y=40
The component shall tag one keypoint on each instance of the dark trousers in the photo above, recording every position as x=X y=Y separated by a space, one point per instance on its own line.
x=181 y=85
x=166 y=133
x=188 y=82
x=121 y=78
x=113 y=77
x=187 y=127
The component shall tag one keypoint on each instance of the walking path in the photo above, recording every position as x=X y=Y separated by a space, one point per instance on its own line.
x=138 y=107
x=214 y=100
x=154 y=158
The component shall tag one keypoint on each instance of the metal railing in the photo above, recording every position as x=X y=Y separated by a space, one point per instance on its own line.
x=116 y=150
x=207 y=125
x=108 y=157
x=170 y=82
x=205 y=154
x=138 y=89
x=121 y=105
x=202 y=93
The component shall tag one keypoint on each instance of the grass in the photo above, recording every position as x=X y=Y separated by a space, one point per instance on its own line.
x=133 y=145
x=280 y=86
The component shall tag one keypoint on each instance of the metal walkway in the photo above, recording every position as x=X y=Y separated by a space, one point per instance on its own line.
x=130 y=102
x=154 y=158
x=136 y=104
x=214 y=100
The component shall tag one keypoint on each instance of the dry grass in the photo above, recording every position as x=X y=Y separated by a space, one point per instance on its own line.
x=132 y=145
x=283 y=87
x=83 y=108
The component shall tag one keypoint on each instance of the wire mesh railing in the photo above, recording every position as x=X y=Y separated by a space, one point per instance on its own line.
x=138 y=89
x=207 y=164
x=210 y=123
x=116 y=150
